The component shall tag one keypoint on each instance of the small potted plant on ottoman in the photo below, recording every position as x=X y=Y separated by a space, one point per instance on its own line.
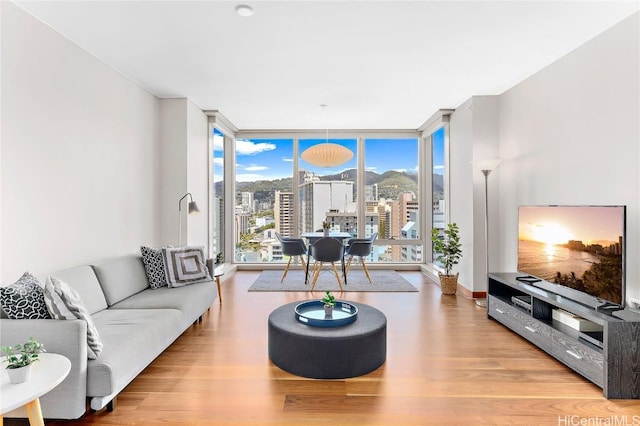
x=19 y=359
x=329 y=303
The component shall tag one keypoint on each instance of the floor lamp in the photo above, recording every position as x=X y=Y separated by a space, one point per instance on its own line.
x=486 y=166
x=192 y=209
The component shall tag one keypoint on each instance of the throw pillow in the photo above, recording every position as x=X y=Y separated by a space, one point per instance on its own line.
x=154 y=266
x=24 y=299
x=64 y=303
x=185 y=265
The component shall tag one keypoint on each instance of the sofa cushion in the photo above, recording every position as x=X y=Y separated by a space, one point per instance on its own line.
x=64 y=303
x=24 y=299
x=84 y=281
x=153 y=261
x=185 y=265
x=192 y=300
x=148 y=332
x=121 y=277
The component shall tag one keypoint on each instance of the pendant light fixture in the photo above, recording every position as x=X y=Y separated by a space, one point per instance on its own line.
x=327 y=154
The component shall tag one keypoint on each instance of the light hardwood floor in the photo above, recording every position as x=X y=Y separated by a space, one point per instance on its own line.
x=447 y=364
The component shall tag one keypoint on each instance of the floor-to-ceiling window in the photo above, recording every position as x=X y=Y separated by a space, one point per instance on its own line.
x=328 y=193
x=264 y=200
x=391 y=198
x=276 y=190
x=438 y=169
x=218 y=198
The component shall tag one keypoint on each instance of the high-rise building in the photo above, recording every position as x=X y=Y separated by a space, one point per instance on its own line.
x=411 y=231
x=283 y=213
x=247 y=202
x=400 y=215
x=317 y=198
x=242 y=224
x=270 y=250
x=371 y=192
x=217 y=233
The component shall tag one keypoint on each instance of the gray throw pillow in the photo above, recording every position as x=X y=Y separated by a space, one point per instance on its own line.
x=24 y=299
x=154 y=266
x=64 y=303
x=185 y=265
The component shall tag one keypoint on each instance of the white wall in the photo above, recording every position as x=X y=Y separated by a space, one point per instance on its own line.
x=198 y=174
x=79 y=154
x=173 y=174
x=570 y=134
x=474 y=135
x=460 y=210
x=184 y=168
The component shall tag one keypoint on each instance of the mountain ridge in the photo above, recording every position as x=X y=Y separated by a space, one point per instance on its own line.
x=390 y=184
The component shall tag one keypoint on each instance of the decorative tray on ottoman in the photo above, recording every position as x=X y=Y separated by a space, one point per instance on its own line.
x=312 y=313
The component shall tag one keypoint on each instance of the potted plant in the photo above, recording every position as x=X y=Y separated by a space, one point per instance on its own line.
x=448 y=251
x=325 y=228
x=329 y=303
x=19 y=359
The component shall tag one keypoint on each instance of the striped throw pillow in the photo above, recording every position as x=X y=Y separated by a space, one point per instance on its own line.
x=64 y=303
x=185 y=265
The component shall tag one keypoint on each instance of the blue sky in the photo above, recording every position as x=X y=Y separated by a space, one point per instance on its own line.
x=267 y=159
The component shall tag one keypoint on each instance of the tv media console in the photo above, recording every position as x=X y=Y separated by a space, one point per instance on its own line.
x=610 y=358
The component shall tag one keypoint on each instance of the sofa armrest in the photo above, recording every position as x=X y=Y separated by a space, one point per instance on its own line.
x=64 y=337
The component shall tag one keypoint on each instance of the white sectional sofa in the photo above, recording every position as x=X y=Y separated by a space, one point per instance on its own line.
x=135 y=323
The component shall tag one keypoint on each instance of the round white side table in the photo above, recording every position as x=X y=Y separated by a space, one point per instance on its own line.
x=46 y=374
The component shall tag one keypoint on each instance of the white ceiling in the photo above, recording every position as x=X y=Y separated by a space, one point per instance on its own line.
x=376 y=64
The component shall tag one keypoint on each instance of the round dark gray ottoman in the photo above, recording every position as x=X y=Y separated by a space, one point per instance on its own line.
x=328 y=353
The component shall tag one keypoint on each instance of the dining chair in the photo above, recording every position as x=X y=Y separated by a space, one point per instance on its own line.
x=292 y=247
x=360 y=247
x=330 y=250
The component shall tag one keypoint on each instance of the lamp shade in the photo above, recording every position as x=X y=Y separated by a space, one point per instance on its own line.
x=327 y=154
x=487 y=164
x=193 y=208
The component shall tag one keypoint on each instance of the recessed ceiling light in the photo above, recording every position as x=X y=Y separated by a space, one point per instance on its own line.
x=244 y=10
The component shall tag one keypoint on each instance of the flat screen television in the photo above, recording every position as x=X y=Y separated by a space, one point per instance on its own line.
x=580 y=248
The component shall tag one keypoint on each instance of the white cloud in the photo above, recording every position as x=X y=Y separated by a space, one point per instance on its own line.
x=218 y=162
x=438 y=167
x=255 y=168
x=371 y=168
x=400 y=170
x=245 y=147
x=218 y=143
x=287 y=159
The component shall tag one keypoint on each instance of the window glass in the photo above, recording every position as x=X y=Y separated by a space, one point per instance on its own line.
x=264 y=198
x=271 y=196
x=391 y=195
x=217 y=233
x=437 y=188
x=328 y=193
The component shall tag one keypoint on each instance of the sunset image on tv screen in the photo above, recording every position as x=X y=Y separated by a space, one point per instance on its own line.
x=579 y=247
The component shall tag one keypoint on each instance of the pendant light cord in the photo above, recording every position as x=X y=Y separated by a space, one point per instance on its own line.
x=326 y=122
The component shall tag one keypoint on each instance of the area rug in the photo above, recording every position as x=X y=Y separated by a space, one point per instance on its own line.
x=381 y=280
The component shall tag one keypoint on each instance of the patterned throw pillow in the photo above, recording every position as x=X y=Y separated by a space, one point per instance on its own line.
x=24 y=299
x=154 y=266
x=64 y=303
x=185 y=265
